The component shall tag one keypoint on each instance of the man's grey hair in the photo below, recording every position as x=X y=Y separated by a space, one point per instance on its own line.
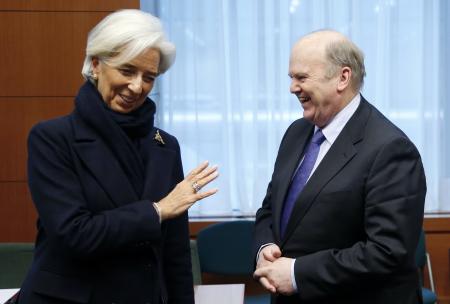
x=344 y=53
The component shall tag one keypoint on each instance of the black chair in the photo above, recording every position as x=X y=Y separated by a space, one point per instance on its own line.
x=15 y=259
x=423 y=258
x=225 y=249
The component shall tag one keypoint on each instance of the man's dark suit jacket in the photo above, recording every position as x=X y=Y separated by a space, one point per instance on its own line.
x=97 y=241
x=355 y=226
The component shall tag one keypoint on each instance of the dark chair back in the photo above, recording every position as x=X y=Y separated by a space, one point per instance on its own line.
x=421 y=258
x=15 y=259
x=225 y=248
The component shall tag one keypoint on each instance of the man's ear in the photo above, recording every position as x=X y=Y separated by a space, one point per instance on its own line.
x=344 y=78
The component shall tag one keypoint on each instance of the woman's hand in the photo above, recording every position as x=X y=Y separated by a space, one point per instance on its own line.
x=187 y=192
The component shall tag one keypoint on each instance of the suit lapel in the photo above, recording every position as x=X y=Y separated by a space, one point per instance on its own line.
x=287 y=169
x=341 y=152
x=102 y=164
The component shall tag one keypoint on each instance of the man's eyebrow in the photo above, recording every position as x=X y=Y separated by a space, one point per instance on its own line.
x=298 y=75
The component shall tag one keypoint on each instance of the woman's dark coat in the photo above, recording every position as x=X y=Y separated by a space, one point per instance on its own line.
x=98 y=240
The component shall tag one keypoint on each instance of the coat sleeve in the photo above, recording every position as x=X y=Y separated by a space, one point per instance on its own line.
x=263 y=233
x=394 y=201
x=63 y=212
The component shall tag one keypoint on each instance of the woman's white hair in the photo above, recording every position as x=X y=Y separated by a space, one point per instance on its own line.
x=122 y=36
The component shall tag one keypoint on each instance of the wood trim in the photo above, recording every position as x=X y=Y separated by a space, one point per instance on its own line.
x=18 y=115
x=43 y=53
x=17 y=213
x=437 y=224
x=196 y=226
x=251 y=286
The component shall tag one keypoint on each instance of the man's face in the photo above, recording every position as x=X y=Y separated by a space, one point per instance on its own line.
x=317 y=93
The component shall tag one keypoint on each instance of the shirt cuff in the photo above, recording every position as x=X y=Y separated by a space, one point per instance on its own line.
x=261 y=248
x=294 y=283
x=155 y=205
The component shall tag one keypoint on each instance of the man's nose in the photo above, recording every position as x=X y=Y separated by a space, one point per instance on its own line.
x=136 y=85
x=295 y=86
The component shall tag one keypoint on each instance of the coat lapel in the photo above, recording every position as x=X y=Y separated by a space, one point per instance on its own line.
x=102 y=164
x=341 y=152
x=159 y=168
x=287 y=170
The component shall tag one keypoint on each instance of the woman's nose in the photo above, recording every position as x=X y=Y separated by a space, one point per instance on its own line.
x=136 y=85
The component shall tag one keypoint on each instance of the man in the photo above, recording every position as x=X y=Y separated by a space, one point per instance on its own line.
x=341 y=218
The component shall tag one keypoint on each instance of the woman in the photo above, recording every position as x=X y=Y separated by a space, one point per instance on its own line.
x=108 y=186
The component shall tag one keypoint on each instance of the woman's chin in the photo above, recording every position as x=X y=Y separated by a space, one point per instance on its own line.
x=122 y=108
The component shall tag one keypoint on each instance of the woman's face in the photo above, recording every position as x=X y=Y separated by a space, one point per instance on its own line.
x=124 y=88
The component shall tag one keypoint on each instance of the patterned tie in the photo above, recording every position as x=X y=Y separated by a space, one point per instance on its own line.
x=300 y=178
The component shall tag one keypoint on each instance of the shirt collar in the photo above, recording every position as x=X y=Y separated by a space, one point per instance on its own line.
x=335 y=126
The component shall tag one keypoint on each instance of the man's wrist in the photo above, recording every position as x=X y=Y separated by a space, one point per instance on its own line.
x=261 y=248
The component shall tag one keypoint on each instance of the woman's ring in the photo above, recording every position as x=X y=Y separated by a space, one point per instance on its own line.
x=196 y=187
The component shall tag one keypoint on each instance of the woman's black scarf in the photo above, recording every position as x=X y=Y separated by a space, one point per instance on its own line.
x=118 y=130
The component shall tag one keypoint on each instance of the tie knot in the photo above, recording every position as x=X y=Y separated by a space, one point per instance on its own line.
x=318 y=137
